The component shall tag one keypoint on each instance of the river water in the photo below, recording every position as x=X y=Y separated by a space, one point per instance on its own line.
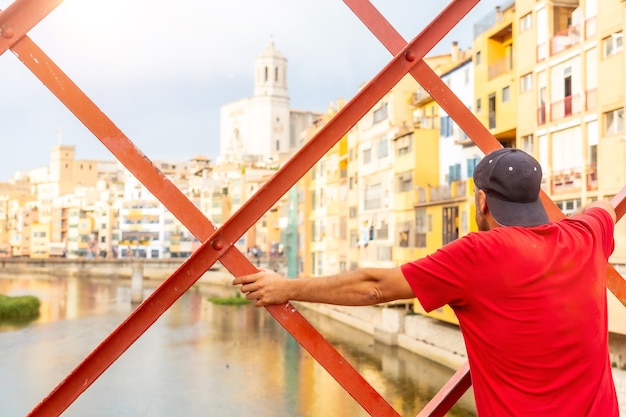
x=198 y=359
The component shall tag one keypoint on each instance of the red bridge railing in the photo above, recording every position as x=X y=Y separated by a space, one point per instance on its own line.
x=23 y=15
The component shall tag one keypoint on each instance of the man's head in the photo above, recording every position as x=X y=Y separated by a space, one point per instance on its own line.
x=511 y=182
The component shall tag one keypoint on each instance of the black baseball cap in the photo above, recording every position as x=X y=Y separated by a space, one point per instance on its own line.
x=511 y=180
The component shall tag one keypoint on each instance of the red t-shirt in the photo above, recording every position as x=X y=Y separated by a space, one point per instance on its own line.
x=531 y=304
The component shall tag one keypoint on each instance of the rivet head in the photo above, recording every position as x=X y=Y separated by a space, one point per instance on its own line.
x=409 y=56
x=217 y=244
x=7 y=33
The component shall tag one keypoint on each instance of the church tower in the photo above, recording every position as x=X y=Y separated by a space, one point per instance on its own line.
x=270 y=73
x=257 y=128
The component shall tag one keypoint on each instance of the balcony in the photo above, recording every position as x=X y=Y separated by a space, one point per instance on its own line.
x=571 y=180
x=565 y=39
x=420 y=97
x=456 y=191
x=499 y=67
x=569 y=106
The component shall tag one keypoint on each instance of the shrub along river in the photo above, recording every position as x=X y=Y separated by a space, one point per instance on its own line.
x=198 y=359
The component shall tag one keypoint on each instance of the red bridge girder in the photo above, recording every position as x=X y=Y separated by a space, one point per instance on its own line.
x=23 y=15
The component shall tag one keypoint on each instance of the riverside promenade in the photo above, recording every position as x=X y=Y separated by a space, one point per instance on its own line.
x=391 y=324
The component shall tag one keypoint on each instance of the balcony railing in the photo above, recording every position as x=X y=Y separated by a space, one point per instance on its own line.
x=565 y=39
x=420 y=98
x=570 y=180
x=499 y=67
x=568 y=106
x=566 y=181
x=442 y=193
x=541 y=115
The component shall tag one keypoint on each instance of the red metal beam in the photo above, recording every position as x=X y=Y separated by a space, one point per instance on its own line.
x=112 y=347
x=480 y=135
x=449 y=394
x=16 y=21
x=166 y=294
x=20 y=17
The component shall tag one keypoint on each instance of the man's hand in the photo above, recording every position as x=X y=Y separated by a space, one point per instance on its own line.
x=264 y=288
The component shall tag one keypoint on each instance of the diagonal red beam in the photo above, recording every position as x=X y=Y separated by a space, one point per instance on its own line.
x=164 y=296
x=63 y=395
x=341 y=123
x=224 y=238
x=20 y=17
x=189 y=215
x=614 y=280
x=468 y=122
x=462 y=115
x=449 y=394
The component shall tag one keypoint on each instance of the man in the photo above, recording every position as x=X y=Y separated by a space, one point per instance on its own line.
x=530 y=295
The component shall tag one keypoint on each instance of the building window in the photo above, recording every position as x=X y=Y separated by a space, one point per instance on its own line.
x=526 y=22
x=380 y=113
x=492 y=111
x=471 y=165
x=479 y=105
x=382 y=232
x=354 y=239
x=527 y=82
x=450 y=224
x=403 y=238
x=612 y=44
x=383 y=148
x=454 y=173
x=372 y=198
x=367 y=156
x=420 y=228
x=528 y=144
x=446 y=126
x=614 y=121
x=478 y=58
x=568 y=206
x=404 y=182
x=506 y=94
x=404 y=145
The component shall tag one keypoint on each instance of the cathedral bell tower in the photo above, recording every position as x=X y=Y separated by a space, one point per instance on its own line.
x=270 y=73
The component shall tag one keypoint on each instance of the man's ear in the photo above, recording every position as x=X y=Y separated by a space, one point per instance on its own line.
x=482 y=202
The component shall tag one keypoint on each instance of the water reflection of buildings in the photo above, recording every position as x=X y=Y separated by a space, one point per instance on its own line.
x=201 y=348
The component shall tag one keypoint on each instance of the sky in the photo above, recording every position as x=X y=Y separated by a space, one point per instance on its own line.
x=161 y=71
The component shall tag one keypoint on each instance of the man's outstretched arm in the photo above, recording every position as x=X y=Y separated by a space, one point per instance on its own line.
x=603 y=205
x=365 y=286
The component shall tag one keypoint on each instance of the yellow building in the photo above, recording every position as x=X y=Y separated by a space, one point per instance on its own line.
x=494 y=74
x=324 y=247
x=373 y=179
x=575 y=84
x=40 y=240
